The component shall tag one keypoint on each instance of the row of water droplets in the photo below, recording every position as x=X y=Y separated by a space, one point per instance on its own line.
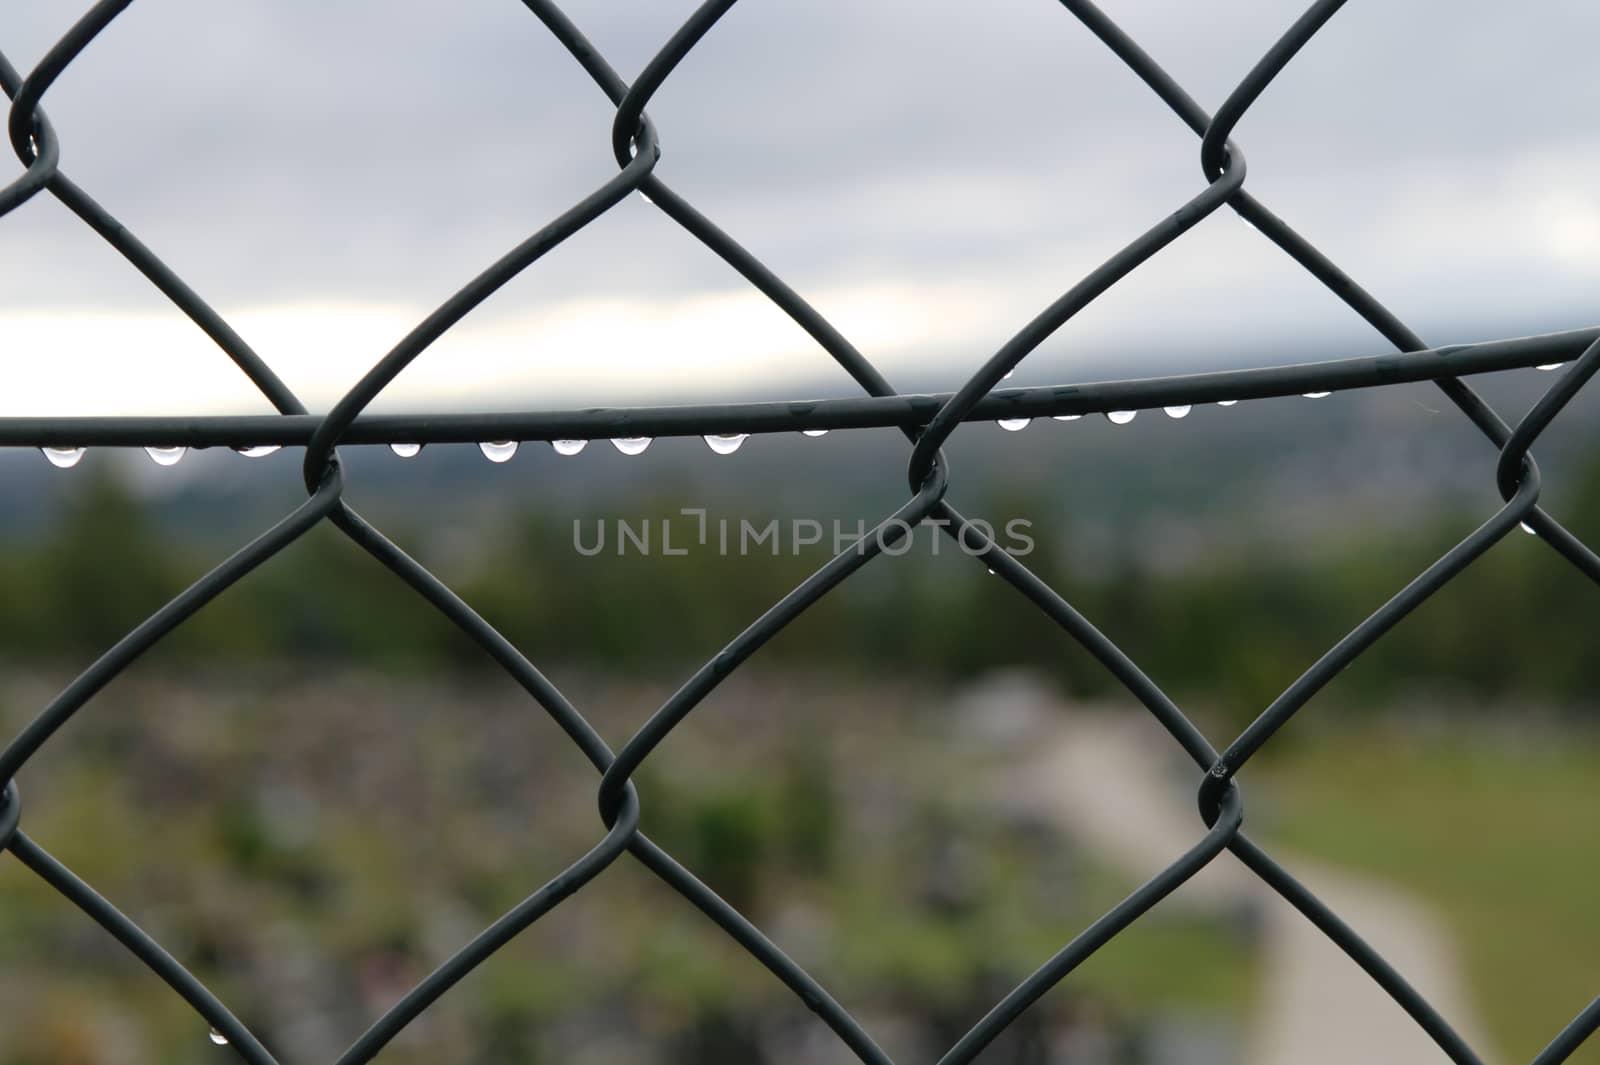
x=503 y=450
x=493 y=450
x=721 y=443
x=1123 y=417
x=68 y=457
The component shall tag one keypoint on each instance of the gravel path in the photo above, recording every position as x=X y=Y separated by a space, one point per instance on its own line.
x=1111 y=780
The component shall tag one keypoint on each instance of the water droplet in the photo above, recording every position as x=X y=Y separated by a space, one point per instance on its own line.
x=406 y=451
x=1008 y=374
x=1226 y=402
x=646 y=199
x=1120 y=417
x=631 y=445
x=1550 y=366
x=1013 y=425
x=813 y=432
x=498 y=450
x=1066 y=417
x=165 y=456
x=633 y=153
x=569 y=447
x=991 y=573
x=726 y=443
x=1177 y=412
x=1317 y=395
x=259 y=451
x=63 y=457
x=218 y=1038
x=1528 y=529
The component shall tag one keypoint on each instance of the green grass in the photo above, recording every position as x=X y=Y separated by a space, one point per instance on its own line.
x=1499 y=834
x=1172 y=960
x=928 y=914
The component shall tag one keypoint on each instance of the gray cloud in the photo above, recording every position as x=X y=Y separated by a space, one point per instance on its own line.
x=373 y=151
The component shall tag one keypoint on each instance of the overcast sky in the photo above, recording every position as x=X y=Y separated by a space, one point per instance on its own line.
x=928 y=174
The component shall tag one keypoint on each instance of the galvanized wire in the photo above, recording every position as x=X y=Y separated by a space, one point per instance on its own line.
x=928 y=422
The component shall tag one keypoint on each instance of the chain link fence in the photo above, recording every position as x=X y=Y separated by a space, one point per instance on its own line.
x=927 y=421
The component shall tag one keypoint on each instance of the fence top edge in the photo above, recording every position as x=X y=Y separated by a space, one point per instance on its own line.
x=1370 y=371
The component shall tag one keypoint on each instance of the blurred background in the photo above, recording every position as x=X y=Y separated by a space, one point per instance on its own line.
x=316 y=790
